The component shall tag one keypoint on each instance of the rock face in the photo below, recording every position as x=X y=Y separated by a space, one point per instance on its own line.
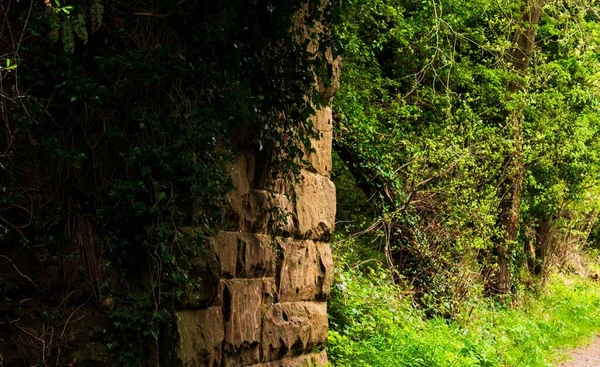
x=276 y=267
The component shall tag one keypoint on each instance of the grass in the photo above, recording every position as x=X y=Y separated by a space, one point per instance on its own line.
x=373 y=324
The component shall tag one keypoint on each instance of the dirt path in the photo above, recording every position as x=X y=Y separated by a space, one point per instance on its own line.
x=588 y=356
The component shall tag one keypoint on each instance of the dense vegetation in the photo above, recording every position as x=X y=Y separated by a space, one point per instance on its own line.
x=467 y=163
x=480 y=170
x=118 y=121
x=467 y=171
x=375 y=324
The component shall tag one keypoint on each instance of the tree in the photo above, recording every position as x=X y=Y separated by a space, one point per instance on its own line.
x=469 y=125
x=512 y=184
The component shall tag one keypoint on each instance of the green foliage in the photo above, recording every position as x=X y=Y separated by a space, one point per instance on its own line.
x=130 y=122
x=373 y=323
x=422 y=125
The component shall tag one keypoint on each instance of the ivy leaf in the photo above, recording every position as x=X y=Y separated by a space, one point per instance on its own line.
x=66 y=33
x=96 y=13
x=54 y=26
x=160 y=195
x=80 y=26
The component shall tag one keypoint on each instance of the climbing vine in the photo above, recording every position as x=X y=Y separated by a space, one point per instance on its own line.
x=120 y=120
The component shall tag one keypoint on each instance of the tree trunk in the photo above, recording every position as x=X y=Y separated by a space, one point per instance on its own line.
x=543 y=240
x=512 y=185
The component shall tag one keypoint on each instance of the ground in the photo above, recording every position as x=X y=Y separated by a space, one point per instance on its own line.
x=588 y=356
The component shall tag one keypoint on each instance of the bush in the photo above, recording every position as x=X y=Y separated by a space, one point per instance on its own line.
x=374 y=323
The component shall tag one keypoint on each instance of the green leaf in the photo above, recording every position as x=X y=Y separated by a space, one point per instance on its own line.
x=68 y=39
x=80 y=25
x=54 y=26
x=96 y=13
x=160 y=196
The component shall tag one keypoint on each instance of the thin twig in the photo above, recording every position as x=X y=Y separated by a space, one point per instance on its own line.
x=18 y=271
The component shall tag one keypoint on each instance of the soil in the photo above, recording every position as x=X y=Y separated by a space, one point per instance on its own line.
x=588 y=356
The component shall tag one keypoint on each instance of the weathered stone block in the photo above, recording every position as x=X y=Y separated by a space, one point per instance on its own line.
x=306 y=271
x=291 y=329
x=245 y=255
x=269 y=291
x=200 y=336
x=315 y=206
x=320 y=159
x=240 y=177
x=329 y=87
x=326 y=267
x=242 y=306
x=306 y=360
x=243 y=309
x=267 y=212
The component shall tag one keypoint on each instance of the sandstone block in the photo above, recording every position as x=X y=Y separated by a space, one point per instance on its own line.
x=306 y=360
x=243 y=310
x=200 y=336
x=306 y=271
x=242 y=303
x=329 y=87
x=245 y=255
x=315 y=206
x=241 y=183
x=320 y=159
x=291 y=329
x=267 y=212
x=269 y=291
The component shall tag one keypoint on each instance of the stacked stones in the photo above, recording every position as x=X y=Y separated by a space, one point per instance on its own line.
x=276 y=272
x=276 y=267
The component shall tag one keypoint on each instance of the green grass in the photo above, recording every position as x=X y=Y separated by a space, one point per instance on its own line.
x=373 y=324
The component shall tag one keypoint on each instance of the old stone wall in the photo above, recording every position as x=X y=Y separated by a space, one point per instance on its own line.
x=276 y=272
x=276 y=267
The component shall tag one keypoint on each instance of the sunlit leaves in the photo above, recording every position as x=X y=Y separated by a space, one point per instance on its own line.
x=425 y=98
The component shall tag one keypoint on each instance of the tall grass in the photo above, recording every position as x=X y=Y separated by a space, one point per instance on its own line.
x=374 y=324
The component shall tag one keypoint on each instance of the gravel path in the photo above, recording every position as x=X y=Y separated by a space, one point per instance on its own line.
x=585 y=356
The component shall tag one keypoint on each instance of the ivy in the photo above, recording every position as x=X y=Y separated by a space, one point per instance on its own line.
x=124 y=118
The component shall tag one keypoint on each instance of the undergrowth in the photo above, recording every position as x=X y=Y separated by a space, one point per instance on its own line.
x=375 y=323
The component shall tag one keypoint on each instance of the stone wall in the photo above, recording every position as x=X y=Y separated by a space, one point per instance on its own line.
x=276 y=267
x=276 y=272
